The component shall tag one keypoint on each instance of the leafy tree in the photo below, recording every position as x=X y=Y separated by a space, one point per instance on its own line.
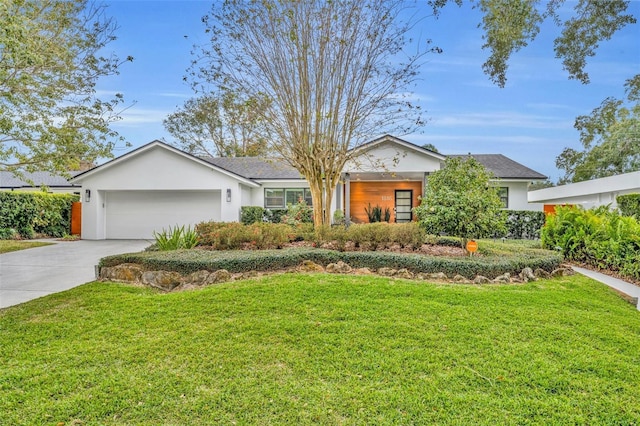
x=540 y=185
x=461 y=201
x=509 y=25
x=219 y=126
x=610 y=137
x=333 y=73
x=430 y=147
x=50 y=61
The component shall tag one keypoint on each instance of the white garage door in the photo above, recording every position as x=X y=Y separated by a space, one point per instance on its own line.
x=136 y=214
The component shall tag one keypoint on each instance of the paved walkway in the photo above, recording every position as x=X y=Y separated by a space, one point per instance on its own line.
x=622 y=286
x=36 y=272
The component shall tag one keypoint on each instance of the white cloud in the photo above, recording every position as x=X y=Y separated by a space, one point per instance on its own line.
x=135 y=117
x=175 y=95
x=501 y=119
x=471 y=140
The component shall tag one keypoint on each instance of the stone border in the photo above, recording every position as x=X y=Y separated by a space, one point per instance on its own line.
x=173 y=281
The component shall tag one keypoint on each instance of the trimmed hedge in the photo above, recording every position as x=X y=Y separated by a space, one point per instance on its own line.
x=251 y=214
x=524 y=224
x=629 y=205
x=188 y=261
x=24 y=214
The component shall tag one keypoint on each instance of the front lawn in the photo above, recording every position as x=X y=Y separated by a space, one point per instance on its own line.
x=323 y=349
x=14 y=245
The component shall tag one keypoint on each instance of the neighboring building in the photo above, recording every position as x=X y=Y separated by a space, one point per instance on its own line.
x=590 y=193
x=37 y=181
x=157 y=186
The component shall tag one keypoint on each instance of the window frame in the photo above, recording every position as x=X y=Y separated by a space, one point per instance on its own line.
x=503 y=193
x=306 y=196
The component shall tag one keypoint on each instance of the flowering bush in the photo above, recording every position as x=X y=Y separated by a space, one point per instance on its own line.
x=297 y=213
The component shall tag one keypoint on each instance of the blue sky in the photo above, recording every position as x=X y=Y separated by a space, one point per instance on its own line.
x=530 y=120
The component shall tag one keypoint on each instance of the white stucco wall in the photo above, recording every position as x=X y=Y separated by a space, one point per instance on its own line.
x=518 y=196
x=155 y=169
x=397 y=158
x=592 y=193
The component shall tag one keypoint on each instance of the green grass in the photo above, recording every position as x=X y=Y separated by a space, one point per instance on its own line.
x=12 y=245
x=323 y=349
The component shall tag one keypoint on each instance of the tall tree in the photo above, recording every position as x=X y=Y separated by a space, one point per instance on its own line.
x=509 y=25
x=334 y=74
x=219 y=126
x=610 y=136
x=50 y=61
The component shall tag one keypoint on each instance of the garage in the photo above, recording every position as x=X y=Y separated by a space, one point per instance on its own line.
x=136 y=214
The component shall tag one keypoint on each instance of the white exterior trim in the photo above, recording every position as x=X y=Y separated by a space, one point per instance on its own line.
x=148 y=147
x=591 y=193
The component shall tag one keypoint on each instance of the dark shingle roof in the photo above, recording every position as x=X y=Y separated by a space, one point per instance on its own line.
x=255 y=168
x=9 y=180
x=503 y=167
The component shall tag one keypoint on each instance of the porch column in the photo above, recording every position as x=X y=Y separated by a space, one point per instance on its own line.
x=424 y=183
x=347 y=199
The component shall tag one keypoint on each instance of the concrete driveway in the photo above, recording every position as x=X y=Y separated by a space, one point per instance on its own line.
x=36 y=272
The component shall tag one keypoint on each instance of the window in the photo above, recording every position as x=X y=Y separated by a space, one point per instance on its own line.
x=294 y=195
x=274 y=198
x=279 y=198
x=503 y=193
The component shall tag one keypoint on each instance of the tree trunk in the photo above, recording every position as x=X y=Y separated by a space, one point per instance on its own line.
x=315 y=186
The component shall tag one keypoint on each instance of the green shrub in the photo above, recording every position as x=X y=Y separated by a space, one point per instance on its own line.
x=408 y=234
x=297 y=213
x=251 y=214
x=270 y=235
x=274 y=216
x=177 y=238
x=598 y=237
x=338 y=217
x=28 y=213
x=233 y=235
x=524 y=225
x=629 y=205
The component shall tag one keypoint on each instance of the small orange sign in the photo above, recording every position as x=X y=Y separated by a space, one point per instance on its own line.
x=472 y=246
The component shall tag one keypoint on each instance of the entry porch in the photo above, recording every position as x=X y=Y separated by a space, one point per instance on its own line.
x=399 y=193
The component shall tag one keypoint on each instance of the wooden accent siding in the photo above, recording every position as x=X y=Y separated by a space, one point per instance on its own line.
x=76 y=218
x=379 y=193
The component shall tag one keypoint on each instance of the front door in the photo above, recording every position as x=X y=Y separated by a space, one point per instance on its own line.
x=403 y=205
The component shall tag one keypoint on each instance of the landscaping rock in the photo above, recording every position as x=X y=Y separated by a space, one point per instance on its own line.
x=310 y=266
x=504 y=278
x=387 y=272
x=438 y=276
x=527 y=275
x=197 y=278
x=460 y=279
x=479 y=279
x=404 y=273
x=246 y=275
x=129 y=272
x=562 y=272
x=364 y=271
x=163 y=280
x=338 y=268
x=541 y=273
x=219 y=276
